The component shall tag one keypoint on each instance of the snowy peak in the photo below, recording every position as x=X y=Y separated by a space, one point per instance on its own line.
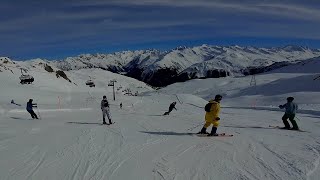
x=292 y=48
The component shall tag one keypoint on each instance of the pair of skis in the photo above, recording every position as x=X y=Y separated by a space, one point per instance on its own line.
x=279 y=127
x=218 y=135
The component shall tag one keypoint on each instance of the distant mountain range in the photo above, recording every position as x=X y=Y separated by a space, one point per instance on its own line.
x=160 y=68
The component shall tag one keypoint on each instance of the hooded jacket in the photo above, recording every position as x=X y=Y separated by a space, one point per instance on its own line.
x=291 y=107
x=214 y=111
x=30 y=106
x=103 y=101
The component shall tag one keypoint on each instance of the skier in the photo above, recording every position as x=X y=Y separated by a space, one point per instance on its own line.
x=291 y=109
x=171 y=107
x=12 y=102
x=29 y=108
x=120 y=105
x=105 y=110
x=212 y=116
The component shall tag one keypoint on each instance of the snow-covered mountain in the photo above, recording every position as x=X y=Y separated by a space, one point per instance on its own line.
x=183 y=63
x=160 y=68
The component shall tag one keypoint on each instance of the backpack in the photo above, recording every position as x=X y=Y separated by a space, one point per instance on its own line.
x=208 y=107
x=105 y=104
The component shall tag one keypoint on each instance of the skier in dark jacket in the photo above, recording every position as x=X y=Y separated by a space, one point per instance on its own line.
x=29 y=108
x=105 y=110
x=171 y=107
x=291 y=110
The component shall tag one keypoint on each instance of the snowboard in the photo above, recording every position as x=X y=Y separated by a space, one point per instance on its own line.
x=278 y=127
x=219 y=135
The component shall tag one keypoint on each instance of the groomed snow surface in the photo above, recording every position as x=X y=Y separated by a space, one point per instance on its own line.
x=69 y=142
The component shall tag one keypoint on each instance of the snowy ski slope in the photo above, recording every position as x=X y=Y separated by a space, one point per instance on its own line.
x=70 y=143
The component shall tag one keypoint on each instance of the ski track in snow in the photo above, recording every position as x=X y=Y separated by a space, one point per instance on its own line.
x=315 y=164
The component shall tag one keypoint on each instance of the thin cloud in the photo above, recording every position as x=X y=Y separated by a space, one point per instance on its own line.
x=287 y=9
x=58 y=24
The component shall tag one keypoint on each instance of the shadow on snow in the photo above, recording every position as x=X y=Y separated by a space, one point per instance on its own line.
x=82 y=123
x=167 y=133
x=310 y=112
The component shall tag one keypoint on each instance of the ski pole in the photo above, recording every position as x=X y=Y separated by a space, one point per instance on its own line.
x=39 y=113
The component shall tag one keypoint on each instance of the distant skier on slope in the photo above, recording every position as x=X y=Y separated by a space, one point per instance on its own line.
x=105 y=110
x=212 y=116
x=171 y=107
x=29 y=108
x=291 y=109
x=12 y=102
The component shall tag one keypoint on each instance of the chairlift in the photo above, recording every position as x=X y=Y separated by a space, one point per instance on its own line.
x=25 y=78
x=90 y=83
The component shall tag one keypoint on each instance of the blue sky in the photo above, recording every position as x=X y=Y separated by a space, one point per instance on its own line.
x=58 y=29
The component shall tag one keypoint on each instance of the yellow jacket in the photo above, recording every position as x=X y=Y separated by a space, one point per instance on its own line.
x=211 y=116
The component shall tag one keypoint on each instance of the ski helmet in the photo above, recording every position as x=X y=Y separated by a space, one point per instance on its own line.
x=290 y=98
x=218 y=97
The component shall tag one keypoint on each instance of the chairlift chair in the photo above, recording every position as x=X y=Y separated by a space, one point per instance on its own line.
x=25 y=78
x=90 y=83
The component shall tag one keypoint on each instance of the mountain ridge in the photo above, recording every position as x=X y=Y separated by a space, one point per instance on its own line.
x=161 y=68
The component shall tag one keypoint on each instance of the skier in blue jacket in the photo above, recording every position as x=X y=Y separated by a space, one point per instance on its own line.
x=291 y=110
x=29 y=108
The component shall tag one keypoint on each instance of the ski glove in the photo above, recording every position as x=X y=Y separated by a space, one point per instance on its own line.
x=217 y=118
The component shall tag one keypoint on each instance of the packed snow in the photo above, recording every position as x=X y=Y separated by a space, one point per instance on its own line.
x=69 y=142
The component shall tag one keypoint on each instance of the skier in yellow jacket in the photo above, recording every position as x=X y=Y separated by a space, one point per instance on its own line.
x=212 y=116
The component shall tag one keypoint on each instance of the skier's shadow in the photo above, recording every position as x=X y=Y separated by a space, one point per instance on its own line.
x=167 y=133
x=249 y=127
x=81 y=123
x=156 y=115
x=18 y=118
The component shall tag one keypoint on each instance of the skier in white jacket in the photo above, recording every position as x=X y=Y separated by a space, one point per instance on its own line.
x=105 y=110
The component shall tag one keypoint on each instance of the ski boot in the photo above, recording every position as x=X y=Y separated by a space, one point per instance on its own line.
x=213 y=132
x=203 y=131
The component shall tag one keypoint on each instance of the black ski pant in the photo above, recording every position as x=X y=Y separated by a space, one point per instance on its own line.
x=167 y=113
x=291 y=118
x=106 y=112
x=33 y=115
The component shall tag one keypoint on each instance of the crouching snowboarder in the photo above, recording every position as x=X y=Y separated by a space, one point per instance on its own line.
x=105 y=110
x=290 y=113
x=171 y=107
x=29 y=108
x=212 y=116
